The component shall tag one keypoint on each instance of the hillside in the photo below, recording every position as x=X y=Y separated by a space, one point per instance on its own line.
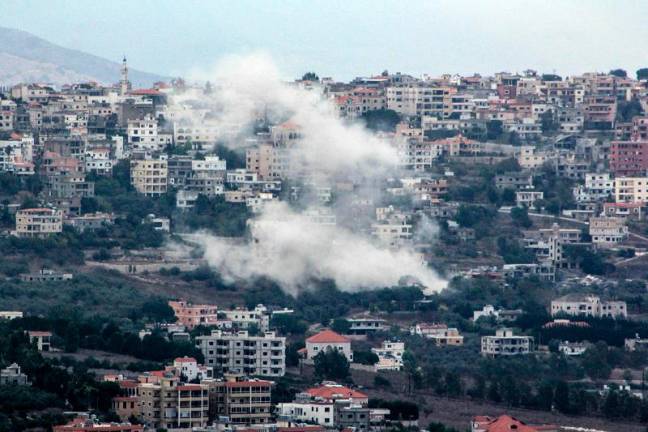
x=28 y=58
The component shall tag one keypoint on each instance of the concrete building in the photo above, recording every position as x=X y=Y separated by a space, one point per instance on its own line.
x=12 y=376
x=238 y=352
x=606 y=231
x=548 y=245
x=439 y=334
x=328 y=340
x=629 y=158
x=366 y=325
x=91 y=424
x=38 y=222
x=507 y=423
x=240 y=400
x=46 y=275
x=505 y=343
x=527 y=198
x=588 y=306
x=631 y=190
x=514 y=180
x=41 y=339
x=149 y=176
x=9 y=315
x=242 y=319
x=390 y=355
x=171 y=404
x=191 y=315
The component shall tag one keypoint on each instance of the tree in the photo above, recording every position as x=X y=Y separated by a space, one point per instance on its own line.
x=365 y=357
x=551 y=77
x=310 y=76
x=494 y=129
x=548 y=122
x=411 y=369
x=158 y=309
x=520 y=217
x=620 y=73
x=340 y=325
x=561 y=397
x=331 y=365
x=383 y=120
x=642 y=74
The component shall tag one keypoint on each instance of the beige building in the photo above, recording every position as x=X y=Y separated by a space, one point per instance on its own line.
x=505 y=343
x=607 y=230
x=631 y=189
x=243 y=401
x=170 y=404
x=38 y=222
x=149 y=176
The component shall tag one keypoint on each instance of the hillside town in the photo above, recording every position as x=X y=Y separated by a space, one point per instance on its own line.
x=514 y=213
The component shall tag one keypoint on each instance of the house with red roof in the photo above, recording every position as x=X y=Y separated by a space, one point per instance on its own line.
x=330 y=391
x=506 y=423
x=328 y=340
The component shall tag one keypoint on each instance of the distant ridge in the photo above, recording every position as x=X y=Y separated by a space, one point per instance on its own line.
x=28 y=58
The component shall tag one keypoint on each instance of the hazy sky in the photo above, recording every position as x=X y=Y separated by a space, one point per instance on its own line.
x=349 y=38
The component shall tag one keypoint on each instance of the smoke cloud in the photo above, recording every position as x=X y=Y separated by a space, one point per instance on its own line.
x=285 y=244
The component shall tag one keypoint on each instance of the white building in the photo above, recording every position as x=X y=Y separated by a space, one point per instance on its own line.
x=328 y=340
x=242 y=318
x=390 y=355
x=440 y=334
x=525 y=198
x=572 y=348
x=505 y=343
x=189 y=368
x=143 y=135
x=607 y=231
x=588 y=306
x=598 y=187
x=241 y=353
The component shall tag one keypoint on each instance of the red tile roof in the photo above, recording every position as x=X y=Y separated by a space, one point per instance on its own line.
x=507 y=423
x=330 y=392
x=185 y=360
x=328 y=336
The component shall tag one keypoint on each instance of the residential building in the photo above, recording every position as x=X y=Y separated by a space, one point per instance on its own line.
x=191 y=315
x=548 y=245
x=633 y=344
x=40 y=338
x=440 y=334
x=500 y=315
x=241 y=400
x=527 y=198
x=633 y=211
x=366 y=325
x=12 y=376
x=38 y=222
x=514 y=180
x=390 y=355
x=328 y=340
x=91 y=424
x=149 y=176
x=505 y=343
x=238 y=352
x=168 y=403
x=631 y=190
x=598 y=187
x=607 y=231
x=9 y=315
x=588 y=306
x=144 y=135
x=572 y=348
x=629 y=158
x=507 y=423
x=243 y=319
x=46 y=275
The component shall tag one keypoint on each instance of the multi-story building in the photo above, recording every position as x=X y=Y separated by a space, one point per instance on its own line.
x=548 y=245
x=328 y=340
x=192 y=315
x=241 y=400
x=607 y=230
x=631 y=190
x=390 y=355
x=588 y=306
x=243 y=319
x=42 y=339
x=366 y=325
x=144 y=135
x=242 y=353
x=38 y=222
x=505 y=343
x=514 y=180
x=149 y=176
x=12 y=376
x=598 y=187
x=528 y=198
x=629 y=158
x=440 y=334
x=171 y=404
x=530 y=157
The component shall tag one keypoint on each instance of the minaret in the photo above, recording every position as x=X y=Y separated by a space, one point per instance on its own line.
x=124 y=84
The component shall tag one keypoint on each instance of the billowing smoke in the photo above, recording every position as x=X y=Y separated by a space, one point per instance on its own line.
x=285 y=244
x=289 y=248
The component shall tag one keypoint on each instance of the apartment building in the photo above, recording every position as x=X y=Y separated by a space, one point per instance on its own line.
x=241 y=400
x=149 y=176
x=239 y=352
x=548 y=244
x=629 y=158
x=514 y=180
x=439 y=334
x=505 y=343
x=38 y=222
x=243 y=319
x=328 y=340
x=42 y=339
x=606 y=231
x=144 y=135
x=588 y=306
x=631 y=190
x=171 y=404
x=530 y=157
x=192 y=315
x=366 y=325
x=598 y=187
x=390 y=355
x=12 y=376
x=527 y=198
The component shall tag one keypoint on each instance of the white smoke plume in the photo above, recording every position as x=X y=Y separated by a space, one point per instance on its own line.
x=286 y=246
